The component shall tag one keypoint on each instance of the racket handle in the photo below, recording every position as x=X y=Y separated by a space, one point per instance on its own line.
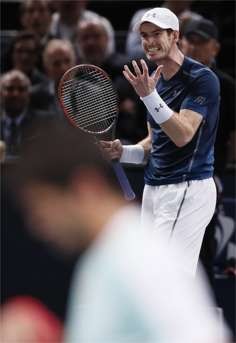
x=123 y=180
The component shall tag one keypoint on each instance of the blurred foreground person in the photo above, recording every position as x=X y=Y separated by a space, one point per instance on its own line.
x=26 y=319
x=123 y=286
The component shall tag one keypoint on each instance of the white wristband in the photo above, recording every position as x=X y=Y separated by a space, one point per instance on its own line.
x=132 y=154
x=157 y=107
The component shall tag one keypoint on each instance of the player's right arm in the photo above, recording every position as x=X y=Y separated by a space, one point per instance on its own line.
x=136 y=154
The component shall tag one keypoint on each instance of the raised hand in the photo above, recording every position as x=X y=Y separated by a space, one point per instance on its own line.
x=142 y=82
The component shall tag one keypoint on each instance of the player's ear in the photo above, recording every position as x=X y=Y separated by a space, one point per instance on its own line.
x=176 y=36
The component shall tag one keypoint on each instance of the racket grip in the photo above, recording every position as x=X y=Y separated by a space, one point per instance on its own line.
x=123 y=180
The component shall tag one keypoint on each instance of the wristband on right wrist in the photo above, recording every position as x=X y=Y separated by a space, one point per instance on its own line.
x=132 y=154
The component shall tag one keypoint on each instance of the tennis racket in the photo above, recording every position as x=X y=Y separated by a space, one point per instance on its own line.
x=90 y=103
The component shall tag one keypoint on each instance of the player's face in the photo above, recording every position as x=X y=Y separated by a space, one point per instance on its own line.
x=156 y=42
x=53 y=216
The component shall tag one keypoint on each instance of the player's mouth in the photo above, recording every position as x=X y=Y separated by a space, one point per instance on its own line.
x=153 y=51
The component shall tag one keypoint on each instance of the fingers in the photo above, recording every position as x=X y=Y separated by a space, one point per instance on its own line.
x=105 y=144
x=136 y=68
x=128 y=75
x=131 y=77
x=110 y=144
x=157 y=73
x=145 y=68
x=112 y=149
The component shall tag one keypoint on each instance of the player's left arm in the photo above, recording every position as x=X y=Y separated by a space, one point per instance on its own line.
x=182 y=126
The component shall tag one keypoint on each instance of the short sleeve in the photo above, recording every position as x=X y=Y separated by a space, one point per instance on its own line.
x=203 y=93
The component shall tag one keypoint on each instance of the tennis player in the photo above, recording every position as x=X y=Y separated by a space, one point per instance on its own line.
x=182 y=99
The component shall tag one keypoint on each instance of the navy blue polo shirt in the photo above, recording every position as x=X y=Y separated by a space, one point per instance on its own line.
x=194 y=87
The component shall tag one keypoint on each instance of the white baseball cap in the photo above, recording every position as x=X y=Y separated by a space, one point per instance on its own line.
x=161 y=17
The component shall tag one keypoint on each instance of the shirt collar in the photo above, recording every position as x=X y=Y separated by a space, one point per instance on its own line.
x=18 y=120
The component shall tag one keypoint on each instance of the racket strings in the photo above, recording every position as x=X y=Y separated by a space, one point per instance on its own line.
x=83 y=102
x=84 y=73
x=90 y=101
x=85 y=121
x=83 y=81
x=91 y=123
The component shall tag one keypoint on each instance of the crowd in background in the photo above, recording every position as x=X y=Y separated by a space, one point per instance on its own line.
x=57 y=35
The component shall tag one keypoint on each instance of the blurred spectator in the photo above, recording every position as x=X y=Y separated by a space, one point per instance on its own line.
x=58 y=56
x=123 y=286
x=23 y=55
x=36 y=18
x=16 y=115
x=203 y=45
x=95 y=42
x=183 y=11
x=26 y=319
x=65 y=20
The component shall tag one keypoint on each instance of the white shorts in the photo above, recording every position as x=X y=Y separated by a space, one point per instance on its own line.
x=181 y=212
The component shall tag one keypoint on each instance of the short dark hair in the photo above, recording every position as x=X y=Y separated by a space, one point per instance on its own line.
x=54 y=155
x=24 y=4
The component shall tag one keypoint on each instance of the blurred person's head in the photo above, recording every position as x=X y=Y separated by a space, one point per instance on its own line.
x=15 y=92
x=95 y=38
x=26 y=319
x=24 y=52
x=70 y=10
x=58 y=57
x=67 y=187
x=202 y=41
x=36 y=16
x=178 y=6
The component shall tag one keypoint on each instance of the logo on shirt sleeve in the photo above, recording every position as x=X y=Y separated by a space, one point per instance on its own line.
x=200 y=100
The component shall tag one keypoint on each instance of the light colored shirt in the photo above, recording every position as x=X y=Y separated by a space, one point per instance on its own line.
x=128 y=289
